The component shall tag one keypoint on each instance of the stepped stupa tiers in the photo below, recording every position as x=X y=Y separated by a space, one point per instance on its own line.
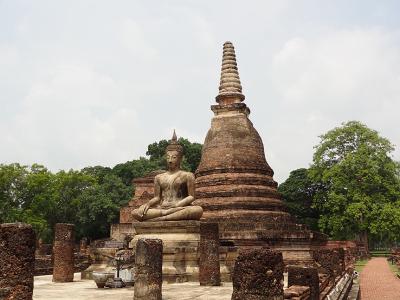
x=235 y=185
x=234 y=179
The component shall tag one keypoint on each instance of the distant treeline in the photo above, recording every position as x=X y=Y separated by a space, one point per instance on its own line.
x=89 y=198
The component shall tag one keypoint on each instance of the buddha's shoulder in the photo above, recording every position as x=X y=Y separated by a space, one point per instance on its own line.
x=180 y=174
x=159 y=176
x=185 y=174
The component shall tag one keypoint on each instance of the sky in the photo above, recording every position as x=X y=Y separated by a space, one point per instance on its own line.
x=85 y=83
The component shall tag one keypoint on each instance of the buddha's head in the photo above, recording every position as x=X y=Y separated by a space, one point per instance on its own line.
x=174 y=154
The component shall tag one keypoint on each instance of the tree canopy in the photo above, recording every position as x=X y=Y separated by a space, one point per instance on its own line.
x=356 y=181
x=298 y=192
x=191 y=158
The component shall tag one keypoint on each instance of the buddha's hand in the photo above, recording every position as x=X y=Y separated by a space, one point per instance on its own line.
x=143 y=209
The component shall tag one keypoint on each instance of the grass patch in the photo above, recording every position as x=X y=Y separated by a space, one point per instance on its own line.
x=394 y=268
x=360 y=264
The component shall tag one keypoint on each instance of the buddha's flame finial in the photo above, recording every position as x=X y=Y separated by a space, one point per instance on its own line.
x=174 y=145
x=229 y=86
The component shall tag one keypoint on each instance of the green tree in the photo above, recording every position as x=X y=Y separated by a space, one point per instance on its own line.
x=12 y=183
x=25 y=195
x=356 y=182
x=298 y=192
x=99 y=172
x=99 y=205
x=192 y=154
x=134 y=168
x=191 y=159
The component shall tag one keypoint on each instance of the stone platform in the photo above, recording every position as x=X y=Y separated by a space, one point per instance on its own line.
x=181 y=241
x=180 y=245
x=79 y=289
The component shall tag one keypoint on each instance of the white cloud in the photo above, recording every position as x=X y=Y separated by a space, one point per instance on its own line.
x=72 y=116
x=94 y=83
x=133 y=37
x=323 y=81
x=8 y=55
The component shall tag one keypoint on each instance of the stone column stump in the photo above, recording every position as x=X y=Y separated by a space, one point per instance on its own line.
x=209 y=272
x=258 y=275
x=148 y=277
x=305 y=276
x=63 y=252
x=17 y=261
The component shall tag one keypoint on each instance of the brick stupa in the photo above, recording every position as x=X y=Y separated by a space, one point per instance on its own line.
x=234 y=183
x=234 y=179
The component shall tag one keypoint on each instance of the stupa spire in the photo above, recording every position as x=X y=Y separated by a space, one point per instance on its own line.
x=230 y=88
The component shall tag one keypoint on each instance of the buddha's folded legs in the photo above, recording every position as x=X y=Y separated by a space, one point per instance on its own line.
x=185 y=213
x=170 y=214
x=174 y=214
x=150 y=214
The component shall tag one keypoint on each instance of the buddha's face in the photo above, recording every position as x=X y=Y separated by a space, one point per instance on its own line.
x=174 y=159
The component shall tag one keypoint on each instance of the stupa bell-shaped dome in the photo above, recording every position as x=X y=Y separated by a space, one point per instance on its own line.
x=234 y=179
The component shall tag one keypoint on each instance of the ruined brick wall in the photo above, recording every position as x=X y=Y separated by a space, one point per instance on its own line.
x=330 y=261
x=209 y=269
x=17 y=261
x=63 y=250
x=306 y=277
x=45 y=249
x=350 y=251
x=258 y=275
x=340 y=244
x=44 y=264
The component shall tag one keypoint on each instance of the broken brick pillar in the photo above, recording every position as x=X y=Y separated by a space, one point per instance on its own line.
x=63 y=252
x=148 y=262
x=258 y=275
x=305 y=276
x=17 y=261
x=209 y=273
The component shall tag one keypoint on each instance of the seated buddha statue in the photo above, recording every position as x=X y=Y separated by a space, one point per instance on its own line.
x=173 y=192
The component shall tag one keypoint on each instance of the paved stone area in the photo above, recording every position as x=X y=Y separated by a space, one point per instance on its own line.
x=79 y=289
x=378 y=282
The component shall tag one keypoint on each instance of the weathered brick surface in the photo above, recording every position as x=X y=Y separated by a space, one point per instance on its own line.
x=45 y=249
x=63 y=251
x=148 y=262
x=17 y=261
x=306 y=277
x=209 y=269
x=258 y=275
x=330 y=261
x=44 y=264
